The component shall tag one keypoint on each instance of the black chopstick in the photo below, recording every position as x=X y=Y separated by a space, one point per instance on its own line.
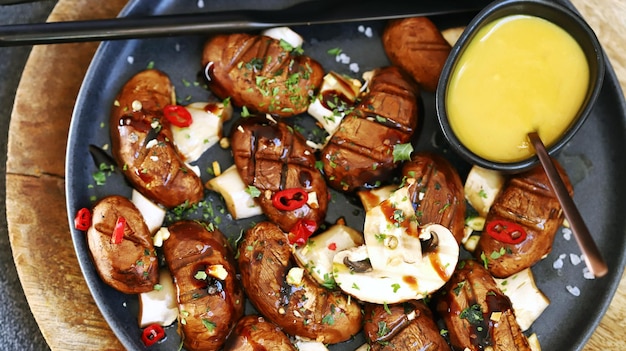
x=307 y=13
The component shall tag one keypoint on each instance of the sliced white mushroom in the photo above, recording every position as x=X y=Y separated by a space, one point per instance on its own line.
x=392 y=241
x=371 y=198
x=317 y=255
x=481 y=188
x=527 y=300
x=285 y=33
x=338 y=85
x=153 y=214
x=393 y=266
x=159 y=305
x=205 y=130
x=239 y=202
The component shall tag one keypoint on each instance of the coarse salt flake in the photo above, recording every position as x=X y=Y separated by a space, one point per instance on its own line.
x=587 y=274
x=354 y=67
x=574 y=290
x=200 y=4
x=567 y=233
x=342 y=58
x=368 y=32
x=575 y=259
x=558 y=264
x=361 y=28
x=130 y=59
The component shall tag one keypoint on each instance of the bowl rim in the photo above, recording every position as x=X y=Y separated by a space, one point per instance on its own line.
x=539 y=8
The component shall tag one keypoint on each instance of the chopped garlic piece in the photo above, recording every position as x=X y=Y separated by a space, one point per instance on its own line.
x=533 y=341
x=136 y=105
x=451 y=35
x=312 y=200
x=217 y=271
x=476 y=223
x=224 y=143
x=495 y=316
x=295 y=275
x=411 y=316
x=217 y=170
x=160 y=236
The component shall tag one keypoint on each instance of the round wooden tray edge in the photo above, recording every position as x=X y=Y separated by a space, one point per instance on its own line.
x=78 y=325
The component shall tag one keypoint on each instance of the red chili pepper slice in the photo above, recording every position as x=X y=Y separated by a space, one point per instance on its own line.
x=290 y=199
x=82 y=221
x=506 y=231
x=177 y=115
x=118 y=231
x=301 y=232
x=152 y=334
x=332 y=246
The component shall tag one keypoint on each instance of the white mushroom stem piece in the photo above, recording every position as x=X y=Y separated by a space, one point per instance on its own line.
x=336 y=96
x=238 y=197
x=285 y=34
x=159 y=305
x=153 y=214
x=205 y=130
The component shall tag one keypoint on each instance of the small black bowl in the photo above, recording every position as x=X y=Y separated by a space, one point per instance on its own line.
x=560 y=15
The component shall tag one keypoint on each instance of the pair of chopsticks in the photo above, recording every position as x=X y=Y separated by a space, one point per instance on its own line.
x=305 y=13
x=15 y=2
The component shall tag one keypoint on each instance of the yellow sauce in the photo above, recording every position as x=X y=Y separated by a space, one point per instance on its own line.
x=519 y=74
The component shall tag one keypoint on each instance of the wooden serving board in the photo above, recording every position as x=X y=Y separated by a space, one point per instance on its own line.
x=35 y=199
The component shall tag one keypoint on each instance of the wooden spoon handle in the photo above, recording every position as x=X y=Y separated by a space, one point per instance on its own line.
x=593 y=257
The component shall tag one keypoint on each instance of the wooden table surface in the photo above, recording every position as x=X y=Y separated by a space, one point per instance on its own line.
x=50 y=275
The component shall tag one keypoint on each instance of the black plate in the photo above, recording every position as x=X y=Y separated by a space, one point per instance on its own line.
x=594 y=159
